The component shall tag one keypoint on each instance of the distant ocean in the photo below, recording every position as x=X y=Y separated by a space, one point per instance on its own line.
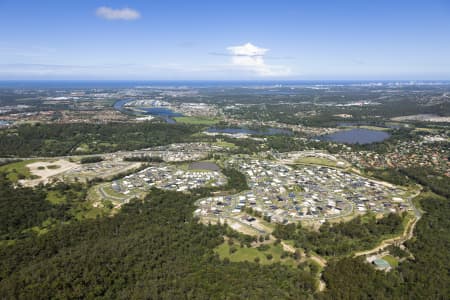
x=32 y=84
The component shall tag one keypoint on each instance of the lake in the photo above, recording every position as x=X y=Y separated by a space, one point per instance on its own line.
x=356 y=136
x=268 y=131
x=165 y=113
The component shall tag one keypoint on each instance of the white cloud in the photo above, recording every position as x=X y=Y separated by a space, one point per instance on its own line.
x=247 y=50
x=109 y=13
x=251 y=58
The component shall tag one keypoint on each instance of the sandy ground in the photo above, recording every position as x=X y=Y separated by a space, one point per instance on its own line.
x=45 y=174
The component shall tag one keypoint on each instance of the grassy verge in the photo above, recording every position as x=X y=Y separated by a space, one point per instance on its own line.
x=224 y=144
x=197 y=120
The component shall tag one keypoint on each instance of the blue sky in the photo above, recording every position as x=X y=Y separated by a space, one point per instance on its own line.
x=224 y=40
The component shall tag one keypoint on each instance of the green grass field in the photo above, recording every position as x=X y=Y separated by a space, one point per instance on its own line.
x=391 y=260
x=87 y=211
x=17 y=170
x=249 y=254
x=197 y=120
x=316 y=161
x=55 y=197
x=225 y=144
x=82 y=148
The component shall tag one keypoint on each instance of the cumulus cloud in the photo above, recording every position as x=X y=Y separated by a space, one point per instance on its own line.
x=109 y=13
x=251 y=58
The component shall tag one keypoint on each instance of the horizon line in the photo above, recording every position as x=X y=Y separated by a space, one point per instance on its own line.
x=219 y=80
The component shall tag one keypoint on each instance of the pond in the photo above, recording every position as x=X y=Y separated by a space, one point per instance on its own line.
x=356 y=136
x=267 y=131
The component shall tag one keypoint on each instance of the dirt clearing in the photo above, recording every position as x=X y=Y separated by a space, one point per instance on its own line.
x=47 y=169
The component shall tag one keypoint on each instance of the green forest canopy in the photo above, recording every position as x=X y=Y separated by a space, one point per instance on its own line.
x=155 y=248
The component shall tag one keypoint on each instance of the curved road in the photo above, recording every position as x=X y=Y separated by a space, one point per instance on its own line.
x=407 y=234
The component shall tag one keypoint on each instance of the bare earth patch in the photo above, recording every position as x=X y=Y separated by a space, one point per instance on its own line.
x=41 y=169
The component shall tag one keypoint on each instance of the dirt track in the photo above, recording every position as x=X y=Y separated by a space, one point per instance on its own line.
x=407 y=234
